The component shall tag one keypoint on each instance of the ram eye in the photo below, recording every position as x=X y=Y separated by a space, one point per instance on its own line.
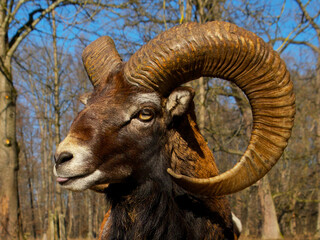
x=146 y=115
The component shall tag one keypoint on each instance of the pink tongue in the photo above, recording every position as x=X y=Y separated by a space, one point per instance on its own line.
x=62 y=179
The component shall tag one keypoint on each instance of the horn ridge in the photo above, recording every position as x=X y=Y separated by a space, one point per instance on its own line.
x=100 y=58
x=220 y=49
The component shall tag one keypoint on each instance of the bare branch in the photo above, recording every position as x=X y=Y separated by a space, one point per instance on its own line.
x=286 y=41
x=29 y=26
x=306 y=43
x=308 y=17
x=10 y=14
x=164 y=14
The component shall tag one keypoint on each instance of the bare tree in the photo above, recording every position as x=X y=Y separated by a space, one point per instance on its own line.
x=307 y=21
x=9 y=151
x=19 y=29
x=311 y=20
x=226 y=118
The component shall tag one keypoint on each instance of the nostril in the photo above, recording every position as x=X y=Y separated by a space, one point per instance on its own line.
x=63 y=157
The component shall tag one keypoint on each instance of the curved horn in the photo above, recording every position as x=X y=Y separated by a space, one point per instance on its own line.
x=100 y=58
x=223 y=50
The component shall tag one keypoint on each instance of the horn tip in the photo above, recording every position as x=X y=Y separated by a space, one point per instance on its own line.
x=173 y=174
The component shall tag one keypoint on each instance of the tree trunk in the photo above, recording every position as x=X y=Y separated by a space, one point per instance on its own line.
x=9 y=201
x=70 y=216
x=202 y=81
x=202 y=101
x=251 y=213
x=270 y=227
x=317 y=140
x=30 y=190
x=90 y=217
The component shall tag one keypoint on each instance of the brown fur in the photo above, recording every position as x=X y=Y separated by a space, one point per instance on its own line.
x=134 y=157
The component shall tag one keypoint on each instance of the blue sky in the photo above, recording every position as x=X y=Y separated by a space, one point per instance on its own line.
x=107 y=22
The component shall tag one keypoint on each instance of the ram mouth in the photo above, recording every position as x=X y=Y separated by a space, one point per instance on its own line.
x=65 y=180
x=83 y=182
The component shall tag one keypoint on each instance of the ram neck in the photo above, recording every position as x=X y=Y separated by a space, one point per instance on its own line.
x=159 y=209
x=151 y=212
x=143 y=214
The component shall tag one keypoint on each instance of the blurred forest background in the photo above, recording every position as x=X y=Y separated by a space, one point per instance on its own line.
x=42 y=78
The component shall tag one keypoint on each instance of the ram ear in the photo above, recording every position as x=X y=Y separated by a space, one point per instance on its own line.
x=179 y=101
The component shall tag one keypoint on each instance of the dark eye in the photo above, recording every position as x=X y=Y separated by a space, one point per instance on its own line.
x=146 y=115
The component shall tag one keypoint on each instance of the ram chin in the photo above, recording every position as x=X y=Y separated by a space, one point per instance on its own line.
x=81 y=183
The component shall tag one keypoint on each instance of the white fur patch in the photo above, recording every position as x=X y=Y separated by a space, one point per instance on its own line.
x=78 y=164
x=83 y=183
x=140 y=99
x=147 y=97
x=77 y=169
x=237 y=222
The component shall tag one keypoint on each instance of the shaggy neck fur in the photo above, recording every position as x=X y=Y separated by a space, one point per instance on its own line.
x=151 y=212
x=159 y=209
